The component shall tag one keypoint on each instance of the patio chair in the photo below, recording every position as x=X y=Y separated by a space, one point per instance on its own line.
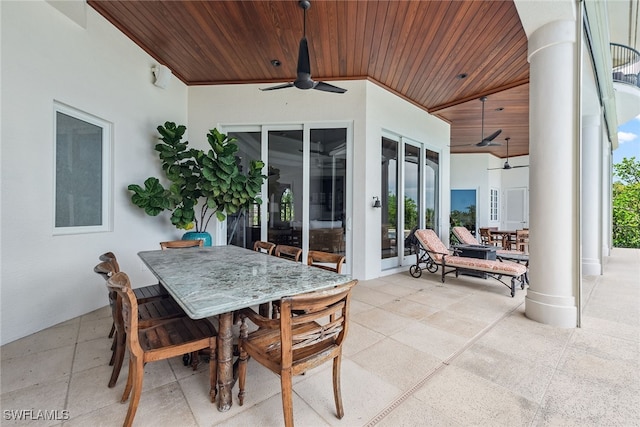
x=288 y=252
x=486 y=237
x=143 y=293
x=326 y=260
x=295 y=343
x=149 y=314
x=264 y=247
x=434 y=254
x=168 y=339
x=522 y=240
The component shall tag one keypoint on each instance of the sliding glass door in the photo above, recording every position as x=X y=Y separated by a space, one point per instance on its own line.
x=304 y=199
x=409 y=196
x=285 y=187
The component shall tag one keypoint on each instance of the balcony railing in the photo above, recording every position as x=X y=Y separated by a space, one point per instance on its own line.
x=626 y=64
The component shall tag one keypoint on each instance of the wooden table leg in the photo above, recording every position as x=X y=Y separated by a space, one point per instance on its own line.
x=225 y=362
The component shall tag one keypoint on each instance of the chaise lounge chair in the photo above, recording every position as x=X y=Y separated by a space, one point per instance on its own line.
x=433 y=254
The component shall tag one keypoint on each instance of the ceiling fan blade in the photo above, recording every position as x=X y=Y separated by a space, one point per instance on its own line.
x=507 y=167
x=486 y=141
x=326 y=87
x=493 y=135
x=282 y=86
x=304 y=66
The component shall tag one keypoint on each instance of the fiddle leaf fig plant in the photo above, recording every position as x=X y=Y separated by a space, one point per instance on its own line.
x=211 y=178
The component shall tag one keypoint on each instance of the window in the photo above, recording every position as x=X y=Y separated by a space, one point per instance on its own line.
x=82 y=172
x=493 y=205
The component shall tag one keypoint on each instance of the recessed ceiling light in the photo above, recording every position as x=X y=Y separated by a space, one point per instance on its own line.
x=499 y=108
x=462 y=76
x=275 y=62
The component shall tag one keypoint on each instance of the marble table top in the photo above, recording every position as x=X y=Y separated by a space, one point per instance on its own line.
x=221 y=279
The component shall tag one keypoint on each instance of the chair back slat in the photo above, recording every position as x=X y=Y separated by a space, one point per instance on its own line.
x=179 y=244
x=307 y=330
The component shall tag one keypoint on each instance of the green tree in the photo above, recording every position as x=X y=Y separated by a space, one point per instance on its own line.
x=410 y=211
x=626 y=204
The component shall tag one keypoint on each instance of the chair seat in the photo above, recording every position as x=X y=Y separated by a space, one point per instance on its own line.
x=174 y=334
x=155 y=311
x=149 y=293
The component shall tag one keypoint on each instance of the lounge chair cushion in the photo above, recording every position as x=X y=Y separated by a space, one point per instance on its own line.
x=464 y=236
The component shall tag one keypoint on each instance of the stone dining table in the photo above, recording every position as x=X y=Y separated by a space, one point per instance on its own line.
x=218 y=280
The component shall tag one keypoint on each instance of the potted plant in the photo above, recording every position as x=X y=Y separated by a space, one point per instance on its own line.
x=210 y=178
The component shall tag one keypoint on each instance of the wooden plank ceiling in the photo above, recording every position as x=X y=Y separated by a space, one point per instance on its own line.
x=416 y=49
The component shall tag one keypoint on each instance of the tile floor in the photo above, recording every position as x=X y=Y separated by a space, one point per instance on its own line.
x=418 y=353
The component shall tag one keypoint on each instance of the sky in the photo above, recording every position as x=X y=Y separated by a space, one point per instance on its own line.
x=628 y=141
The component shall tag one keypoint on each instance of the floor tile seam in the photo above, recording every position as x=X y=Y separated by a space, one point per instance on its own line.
x=556 y=369
x=71 y=371
x=184 y=396
x=445 y=363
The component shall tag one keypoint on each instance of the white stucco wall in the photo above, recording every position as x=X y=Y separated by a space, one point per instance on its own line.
x=46 y=56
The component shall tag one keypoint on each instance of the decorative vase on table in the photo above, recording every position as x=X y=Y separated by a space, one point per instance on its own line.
x=198 y=235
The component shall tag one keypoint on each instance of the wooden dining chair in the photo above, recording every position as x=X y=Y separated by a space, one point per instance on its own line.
x=325 y=260
x=179 y=244
x=487 y=239
x=149 y=314
x=168 y=339
x=144 y=293
x=288 y=252
x=522 y=240
x=295 y=343
x=264 y=247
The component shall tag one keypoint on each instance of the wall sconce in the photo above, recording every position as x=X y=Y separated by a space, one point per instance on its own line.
x=376 y=202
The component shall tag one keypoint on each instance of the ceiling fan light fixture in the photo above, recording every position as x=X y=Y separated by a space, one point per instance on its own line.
x=303 y=68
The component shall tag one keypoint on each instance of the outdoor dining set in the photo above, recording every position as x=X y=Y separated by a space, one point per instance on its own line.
x=201 y=293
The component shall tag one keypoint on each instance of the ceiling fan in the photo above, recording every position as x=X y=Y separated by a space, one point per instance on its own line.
x=488 y=141
x=506 y=165
x=303 y=81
